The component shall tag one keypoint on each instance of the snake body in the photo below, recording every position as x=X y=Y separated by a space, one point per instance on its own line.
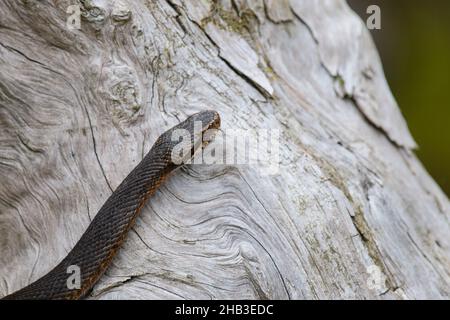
x=102 y=239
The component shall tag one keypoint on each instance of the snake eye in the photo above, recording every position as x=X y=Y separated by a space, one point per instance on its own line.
x=209 y=135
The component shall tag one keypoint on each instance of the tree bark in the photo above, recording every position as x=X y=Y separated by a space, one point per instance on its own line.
x=350 y=204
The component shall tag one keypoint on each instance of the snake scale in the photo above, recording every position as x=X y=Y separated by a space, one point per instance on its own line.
x=102 y=239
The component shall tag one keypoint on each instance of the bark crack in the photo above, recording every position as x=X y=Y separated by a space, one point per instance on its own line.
x=241 y=75
x=346 y=95
x=87 y=113
x=369 y=243
x=23 y=55
x=95 y=148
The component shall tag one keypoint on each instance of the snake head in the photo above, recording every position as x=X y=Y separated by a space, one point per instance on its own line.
x=190 y=135
x=201 y=122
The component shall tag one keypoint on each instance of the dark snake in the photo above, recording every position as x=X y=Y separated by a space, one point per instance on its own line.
x=102 y=239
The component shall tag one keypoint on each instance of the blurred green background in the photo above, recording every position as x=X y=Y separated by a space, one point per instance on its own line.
x=414 y=45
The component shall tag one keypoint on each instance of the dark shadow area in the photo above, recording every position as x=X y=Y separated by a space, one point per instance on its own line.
x=414 y=45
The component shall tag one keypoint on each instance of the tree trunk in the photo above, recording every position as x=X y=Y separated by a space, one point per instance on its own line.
x=351 y=212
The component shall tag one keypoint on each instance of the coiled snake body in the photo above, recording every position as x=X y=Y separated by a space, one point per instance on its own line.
x=107 y=231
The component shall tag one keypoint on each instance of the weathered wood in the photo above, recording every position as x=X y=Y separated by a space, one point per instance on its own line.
x=79 y=108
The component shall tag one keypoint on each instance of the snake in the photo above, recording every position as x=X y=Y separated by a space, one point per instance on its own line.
x=100 y=243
